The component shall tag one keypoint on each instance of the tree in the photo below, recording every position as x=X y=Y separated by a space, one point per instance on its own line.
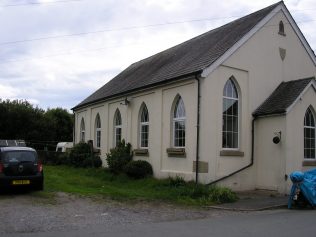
x=60 y=121
x=21 y=120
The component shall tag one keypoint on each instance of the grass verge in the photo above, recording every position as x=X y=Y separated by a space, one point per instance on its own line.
x=100 y=182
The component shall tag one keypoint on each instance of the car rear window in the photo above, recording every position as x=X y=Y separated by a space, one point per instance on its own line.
x=18 y=156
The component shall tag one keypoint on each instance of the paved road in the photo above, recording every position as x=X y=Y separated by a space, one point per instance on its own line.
x=278 y=223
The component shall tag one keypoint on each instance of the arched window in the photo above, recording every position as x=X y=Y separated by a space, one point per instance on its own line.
x=117 y=128
x=281 y=28
x=230 y=132
x=98 y=131
x=309 y=135
x=82 y=131
x=144 y=127
x=179 y=123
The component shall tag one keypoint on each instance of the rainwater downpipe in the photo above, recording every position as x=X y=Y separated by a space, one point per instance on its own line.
x=74 y=130
x=197 y=132
x=252 y=155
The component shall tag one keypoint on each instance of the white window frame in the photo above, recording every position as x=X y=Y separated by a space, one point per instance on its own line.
x=309 y=109
x=82 y=131
x=238 y=115
x=181 y=119
x=117 y=127
x=98 y=131
x=141 y=125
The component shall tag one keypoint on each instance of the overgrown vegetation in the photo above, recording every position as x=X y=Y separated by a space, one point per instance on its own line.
x=80 y=155
x=101 y=182
x=119 y=157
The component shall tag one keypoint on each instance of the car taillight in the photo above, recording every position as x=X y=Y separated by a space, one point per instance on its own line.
x=1 y=167
x=39 y=166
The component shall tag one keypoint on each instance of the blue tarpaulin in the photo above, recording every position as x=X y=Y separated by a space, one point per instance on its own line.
x=306 y=183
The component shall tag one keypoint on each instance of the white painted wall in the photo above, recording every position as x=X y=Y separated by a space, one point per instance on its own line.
x=295 y=133
x=159 y=102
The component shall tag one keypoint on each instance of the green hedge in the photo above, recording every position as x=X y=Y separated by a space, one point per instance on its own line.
x=138 y=169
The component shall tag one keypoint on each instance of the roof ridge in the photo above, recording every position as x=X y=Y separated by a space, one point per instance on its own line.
x=207 y=32
x=301 y=79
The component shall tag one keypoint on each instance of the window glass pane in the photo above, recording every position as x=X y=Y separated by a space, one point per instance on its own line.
x=144 y=115
x=98 y=138
x=309 y=118
x=235 y=124
x=225 y=105
x=144 y=135
x=309 y=135
x=179 y=124
x=118 y=131
x=118 y=120
x=82 y=125
x=179 y=111
x=98 y=122
x=144 y=127
x=235 y=107
x=235 y=140
x=230 y=116
x=229 y=140
x=179 y=134
x=230 y=89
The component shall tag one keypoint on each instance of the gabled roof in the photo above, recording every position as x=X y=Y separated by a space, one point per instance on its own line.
x=183 y=60
x=283 y=97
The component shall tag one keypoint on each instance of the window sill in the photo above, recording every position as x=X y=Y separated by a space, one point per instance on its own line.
x=141 y=152
x=231 y=153
x=309 y=162
x=176 y=152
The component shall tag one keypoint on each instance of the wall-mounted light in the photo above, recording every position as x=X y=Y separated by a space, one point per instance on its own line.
x=125 y=101
x=277 y=137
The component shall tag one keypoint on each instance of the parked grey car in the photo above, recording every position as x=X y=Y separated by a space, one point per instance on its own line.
x=20 y=166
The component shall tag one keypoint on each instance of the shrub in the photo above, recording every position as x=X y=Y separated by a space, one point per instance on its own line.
x=62 y=159
x=80 y=156
x=176 y=182
x=79 y=153
x=95 y=161
x=200 y=191
x=222 y=195
x=138 y=169
x=119 y=157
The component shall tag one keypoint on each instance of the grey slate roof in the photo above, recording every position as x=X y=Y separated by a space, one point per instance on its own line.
x=282 y=97
x=186 y=59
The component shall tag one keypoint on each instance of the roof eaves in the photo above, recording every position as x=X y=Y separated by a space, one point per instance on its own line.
x=311 y=83
x=180 y=78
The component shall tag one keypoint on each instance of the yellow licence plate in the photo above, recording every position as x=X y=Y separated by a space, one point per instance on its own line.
x=20 y=182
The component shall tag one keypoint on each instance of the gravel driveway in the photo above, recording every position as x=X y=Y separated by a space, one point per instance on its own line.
x=34 y=212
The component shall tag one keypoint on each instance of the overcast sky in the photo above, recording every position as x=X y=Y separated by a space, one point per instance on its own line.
x=55 y=53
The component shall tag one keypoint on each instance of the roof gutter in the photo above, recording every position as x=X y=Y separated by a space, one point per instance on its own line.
x=252 y=155
x=181 y=78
